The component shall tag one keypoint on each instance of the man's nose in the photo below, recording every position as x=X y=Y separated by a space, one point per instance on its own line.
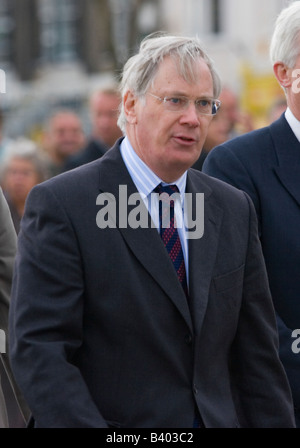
x=190 y=113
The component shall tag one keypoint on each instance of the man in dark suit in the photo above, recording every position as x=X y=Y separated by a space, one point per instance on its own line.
x=104 y=331
x=265 y=163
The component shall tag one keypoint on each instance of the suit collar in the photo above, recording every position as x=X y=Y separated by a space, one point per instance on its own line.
x=202 y=251
x=286 y=145
x=287 y=149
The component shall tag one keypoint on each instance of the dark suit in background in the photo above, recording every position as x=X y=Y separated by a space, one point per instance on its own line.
x=266 y=164
x=199 y=163
x=94 y=150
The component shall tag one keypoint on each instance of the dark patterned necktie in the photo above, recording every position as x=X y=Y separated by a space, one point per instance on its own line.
x=169 y=232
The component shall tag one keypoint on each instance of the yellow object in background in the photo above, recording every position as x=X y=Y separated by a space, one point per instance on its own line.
x=259 y=91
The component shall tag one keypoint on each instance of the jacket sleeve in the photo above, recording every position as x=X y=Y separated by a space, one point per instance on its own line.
x=46 y=316
x=8 y=244
x=18 y=411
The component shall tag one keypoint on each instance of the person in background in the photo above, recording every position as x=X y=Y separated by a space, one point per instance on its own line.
x=218 y=132
x=104 y=111
x=277 y=108
x=240 y=121
x=112 y=325
x=14 y=412
x=265 y=163
x=63 y=136
x=229 y=122
x=23 y=167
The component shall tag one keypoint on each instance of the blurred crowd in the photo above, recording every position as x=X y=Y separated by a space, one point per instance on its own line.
x=64 y=144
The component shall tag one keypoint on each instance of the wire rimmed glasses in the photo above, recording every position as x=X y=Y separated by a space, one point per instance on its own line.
x=204 y=106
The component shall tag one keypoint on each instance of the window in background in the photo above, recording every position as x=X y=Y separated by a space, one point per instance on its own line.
x=7 y=25
x=215 y=16
x=59 y=25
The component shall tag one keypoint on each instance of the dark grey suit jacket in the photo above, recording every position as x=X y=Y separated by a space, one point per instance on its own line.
x=266 y=164
x=101 y=331
x=7 y=253
x=8 y=247
x=13 y=410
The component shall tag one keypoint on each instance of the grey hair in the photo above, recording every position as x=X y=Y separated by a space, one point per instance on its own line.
x=285 y=41
x=25 y=149
x=140 y=70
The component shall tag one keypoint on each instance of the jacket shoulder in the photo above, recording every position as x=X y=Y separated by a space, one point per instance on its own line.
x=209 y=185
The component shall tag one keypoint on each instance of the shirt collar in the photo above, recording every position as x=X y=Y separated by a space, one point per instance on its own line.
x=293 y=122
x=143 y=177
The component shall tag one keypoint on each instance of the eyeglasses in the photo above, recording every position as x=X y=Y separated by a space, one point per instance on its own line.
x=203 y=106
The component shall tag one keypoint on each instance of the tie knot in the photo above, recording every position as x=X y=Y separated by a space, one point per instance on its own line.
x=169 y=189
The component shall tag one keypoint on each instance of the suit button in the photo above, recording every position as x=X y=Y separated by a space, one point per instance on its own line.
x=188 y=339
x=195 y=389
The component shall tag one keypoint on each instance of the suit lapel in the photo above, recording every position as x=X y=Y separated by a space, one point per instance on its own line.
x=202 y=251
x=290 y=180
x=287 y=149
x=145 y=243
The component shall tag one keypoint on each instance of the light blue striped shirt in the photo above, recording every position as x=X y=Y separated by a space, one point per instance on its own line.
x=146 y=181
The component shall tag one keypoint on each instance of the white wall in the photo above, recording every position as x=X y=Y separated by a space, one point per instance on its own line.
x=247 y=25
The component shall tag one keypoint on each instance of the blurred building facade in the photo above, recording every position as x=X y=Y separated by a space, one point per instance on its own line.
x=55 y=52
x=237 y=35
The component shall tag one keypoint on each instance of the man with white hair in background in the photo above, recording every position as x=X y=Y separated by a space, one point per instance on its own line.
x=265 y=163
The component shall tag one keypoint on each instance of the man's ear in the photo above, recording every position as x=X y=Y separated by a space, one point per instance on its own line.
x=129 y=103
x=283 y=74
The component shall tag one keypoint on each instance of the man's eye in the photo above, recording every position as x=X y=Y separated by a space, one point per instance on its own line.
x=176 y=101
x=204 y=103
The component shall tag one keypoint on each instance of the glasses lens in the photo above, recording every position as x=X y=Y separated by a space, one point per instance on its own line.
x=179 y=103
x=175 y=103
x=205 y=107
